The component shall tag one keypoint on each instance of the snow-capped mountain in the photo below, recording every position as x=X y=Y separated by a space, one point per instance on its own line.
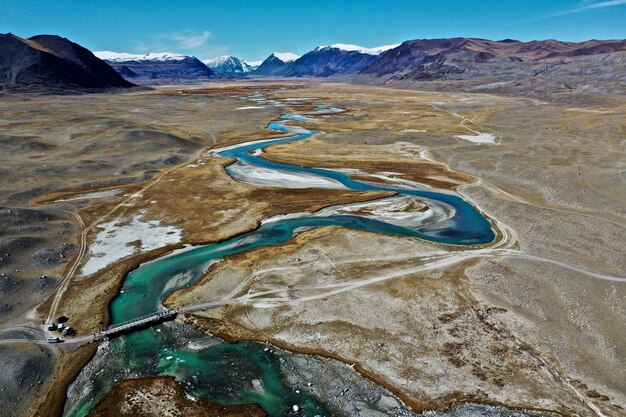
x=229 y=65
x=323 y=61
x=337 y=59
x=157 y=66
x=276 y=63
x=285 y=56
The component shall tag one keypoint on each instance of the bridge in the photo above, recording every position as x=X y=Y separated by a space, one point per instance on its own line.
x=114 y=330
x=123 y=327
x=127 y=326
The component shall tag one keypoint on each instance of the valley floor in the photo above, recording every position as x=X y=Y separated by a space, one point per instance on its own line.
x=96 y=185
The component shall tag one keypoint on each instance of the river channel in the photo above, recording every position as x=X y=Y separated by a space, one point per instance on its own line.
x=248 y=372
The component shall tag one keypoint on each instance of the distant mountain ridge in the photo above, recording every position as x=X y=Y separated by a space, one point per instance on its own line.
x=442 y=58
x=157 y=67
x=324 y=61
x=536 y=68
x=428 y=59
x=54 y=62
x=368 y=51
x=481 y=64
x=414 y=61
x=152 y=56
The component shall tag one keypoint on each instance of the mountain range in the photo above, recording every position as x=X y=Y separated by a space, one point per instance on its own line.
x=535 y=68
x=469 y=57
x=424 y=59
x=157 y=67
x=479 y=64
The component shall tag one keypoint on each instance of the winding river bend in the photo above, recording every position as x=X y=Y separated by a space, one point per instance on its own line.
x=222 y=372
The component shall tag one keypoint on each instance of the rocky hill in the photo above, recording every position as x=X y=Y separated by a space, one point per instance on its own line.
x=501 y=66
x=449 y=58
x=329 y=60
x=53 y=62
x=276 y=64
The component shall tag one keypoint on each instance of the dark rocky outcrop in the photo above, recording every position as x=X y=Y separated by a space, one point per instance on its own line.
x=53 y=61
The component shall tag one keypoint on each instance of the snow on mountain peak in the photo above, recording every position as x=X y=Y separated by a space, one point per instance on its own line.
x=369 y=51
x=153 y=56
x=286 y=56
x=220 y=60
x=228 y=64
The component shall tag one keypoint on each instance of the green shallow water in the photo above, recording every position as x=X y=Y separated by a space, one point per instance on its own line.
x=205 y=366
x=244 y=372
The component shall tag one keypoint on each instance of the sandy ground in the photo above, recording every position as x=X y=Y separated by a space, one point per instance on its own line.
x=404 y=211
x=117 y=240
x=479 y=138
x=265 y=177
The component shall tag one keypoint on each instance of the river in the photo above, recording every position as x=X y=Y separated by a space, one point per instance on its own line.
x=208 y=367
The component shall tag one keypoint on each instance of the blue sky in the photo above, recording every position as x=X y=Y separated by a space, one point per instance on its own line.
x=254 y=29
